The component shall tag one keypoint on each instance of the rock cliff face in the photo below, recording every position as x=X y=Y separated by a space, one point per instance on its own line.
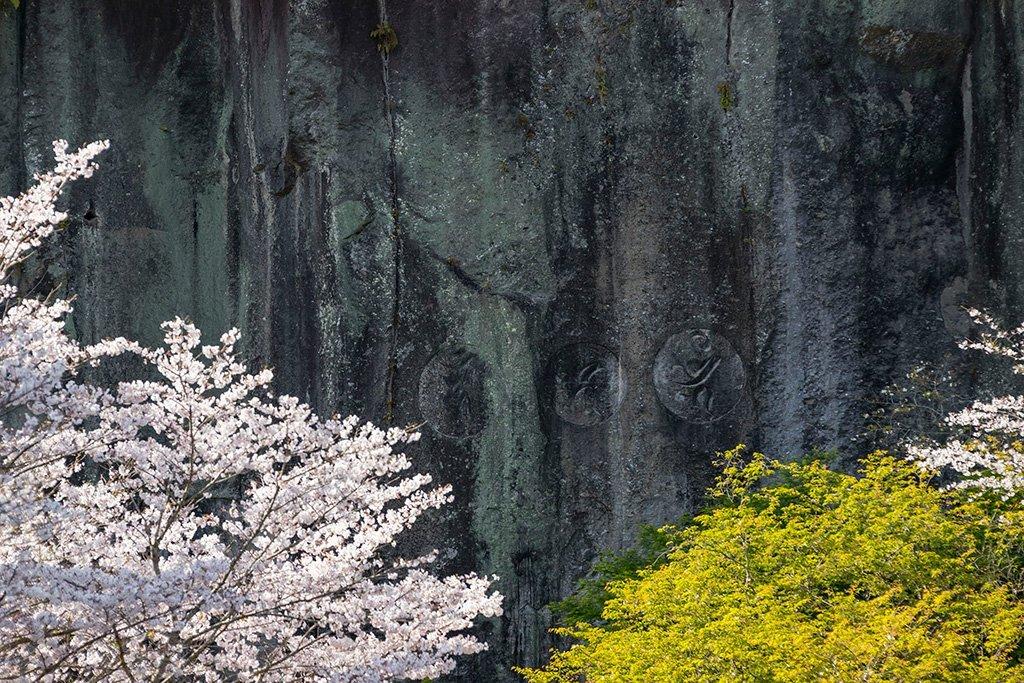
x=588 y=242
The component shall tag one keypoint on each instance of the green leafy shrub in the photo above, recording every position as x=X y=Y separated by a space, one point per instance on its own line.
x=587 y=603
x=797 y=573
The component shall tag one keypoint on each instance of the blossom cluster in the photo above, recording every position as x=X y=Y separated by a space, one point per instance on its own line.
x=988 y=451
x=193 y=525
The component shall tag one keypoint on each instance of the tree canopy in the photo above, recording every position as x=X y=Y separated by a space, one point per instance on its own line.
x=814 y=575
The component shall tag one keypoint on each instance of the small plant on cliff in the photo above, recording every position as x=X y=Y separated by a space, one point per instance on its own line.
x=601 y=80
x=797 y=573
x=726 y=96
x=385 y=36
x=194 y=525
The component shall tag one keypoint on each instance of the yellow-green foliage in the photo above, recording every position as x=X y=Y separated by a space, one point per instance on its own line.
x=796 y=573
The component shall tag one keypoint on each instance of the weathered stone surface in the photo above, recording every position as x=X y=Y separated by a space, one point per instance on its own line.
x=817 y=183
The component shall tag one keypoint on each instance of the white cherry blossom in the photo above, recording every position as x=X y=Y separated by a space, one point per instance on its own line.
x=989 y=451
x=192 y=525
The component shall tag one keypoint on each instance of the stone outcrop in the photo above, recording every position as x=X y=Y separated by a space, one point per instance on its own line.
x=588 y=242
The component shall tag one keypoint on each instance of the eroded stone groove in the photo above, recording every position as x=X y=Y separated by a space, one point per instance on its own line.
x=395 y=210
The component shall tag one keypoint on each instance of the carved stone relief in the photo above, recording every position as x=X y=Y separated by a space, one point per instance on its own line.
x=452 y=395
x=699 y=376
x=588 y=384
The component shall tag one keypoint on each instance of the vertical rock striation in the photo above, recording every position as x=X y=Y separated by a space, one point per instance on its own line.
x=588 y=241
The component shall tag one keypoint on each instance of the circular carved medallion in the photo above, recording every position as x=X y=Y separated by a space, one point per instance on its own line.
x=588 y=386
x=699 y=376
x=452 y=396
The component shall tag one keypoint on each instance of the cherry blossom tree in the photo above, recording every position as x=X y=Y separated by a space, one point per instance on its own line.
x=988 y=452
x=193 y=525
